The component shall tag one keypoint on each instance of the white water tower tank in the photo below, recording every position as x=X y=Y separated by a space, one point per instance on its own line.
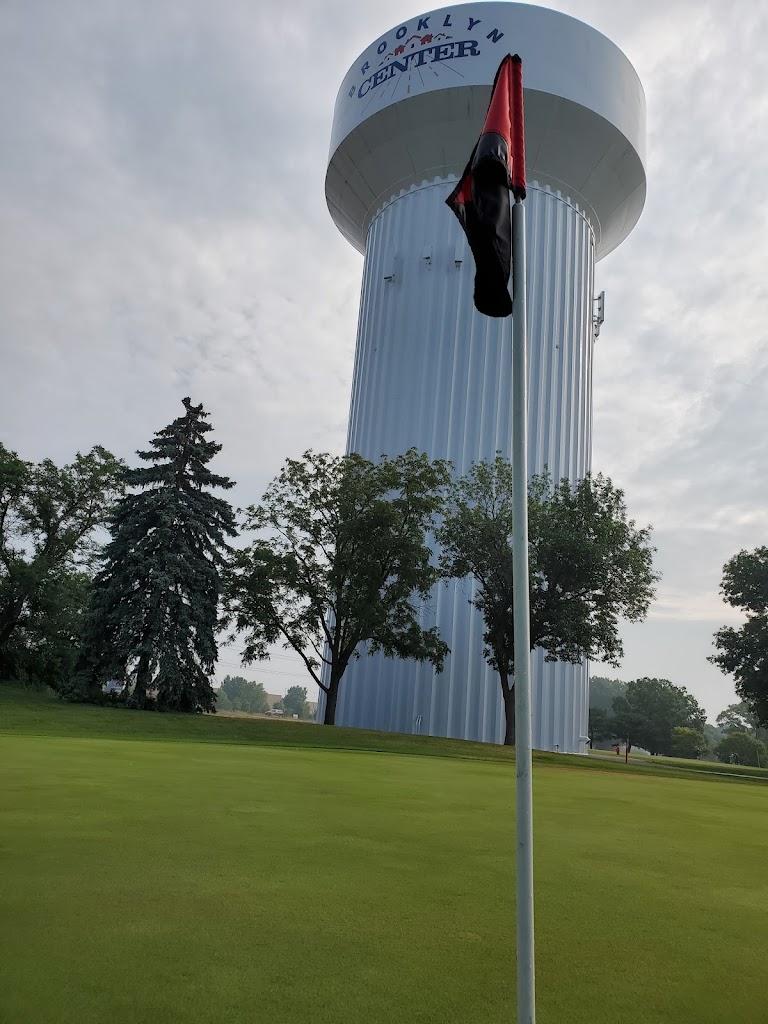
x=430 y=371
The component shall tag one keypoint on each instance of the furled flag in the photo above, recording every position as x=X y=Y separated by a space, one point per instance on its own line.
x=481 y=199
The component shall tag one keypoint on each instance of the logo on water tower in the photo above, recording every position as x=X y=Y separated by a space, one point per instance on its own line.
x=419 y=49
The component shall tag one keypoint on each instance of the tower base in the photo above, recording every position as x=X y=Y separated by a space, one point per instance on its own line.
x=434 y=374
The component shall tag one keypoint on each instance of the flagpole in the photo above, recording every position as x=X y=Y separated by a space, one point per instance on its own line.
x=526 y=985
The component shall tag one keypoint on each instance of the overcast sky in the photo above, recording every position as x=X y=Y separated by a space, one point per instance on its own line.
x=163 y=232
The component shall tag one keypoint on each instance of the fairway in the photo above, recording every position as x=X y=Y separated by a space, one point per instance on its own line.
x=188 y=881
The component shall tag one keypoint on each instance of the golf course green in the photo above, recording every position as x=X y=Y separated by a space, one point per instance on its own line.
x=163 y=868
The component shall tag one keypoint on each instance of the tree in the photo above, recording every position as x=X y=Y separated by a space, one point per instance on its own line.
x=713 y=736
x=688 y=742
x=741 y=717
x=600 y=725
x=743 y=652
x=589 y=566
x=223 y=703
x=628 y=723
x=245 y=695
x=737 y=718
x=342 y=562
x=154 y=611
x=602 y=691
x=741 y=748
x=45 y=645
x=48 y=521
x=651 y=709
x=295 y=702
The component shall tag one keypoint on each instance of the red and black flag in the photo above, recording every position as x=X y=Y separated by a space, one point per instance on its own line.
x=481 y=199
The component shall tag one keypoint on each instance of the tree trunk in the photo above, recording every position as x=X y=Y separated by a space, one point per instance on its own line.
x=138 y=698
x=6 y=629
x=509 y=710
x=329 y=718
x=9 y=619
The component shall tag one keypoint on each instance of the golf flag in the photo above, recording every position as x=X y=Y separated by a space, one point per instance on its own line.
x=481 y=199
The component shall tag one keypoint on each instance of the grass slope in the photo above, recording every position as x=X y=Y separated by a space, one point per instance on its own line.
x=30 y=712
x=180 y=880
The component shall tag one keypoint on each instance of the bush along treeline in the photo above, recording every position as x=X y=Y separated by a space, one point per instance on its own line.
x=333 y=564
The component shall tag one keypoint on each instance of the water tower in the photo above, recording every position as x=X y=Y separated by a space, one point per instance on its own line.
x=430 y=371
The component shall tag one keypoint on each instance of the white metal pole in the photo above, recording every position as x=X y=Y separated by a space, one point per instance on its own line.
x=526 y=983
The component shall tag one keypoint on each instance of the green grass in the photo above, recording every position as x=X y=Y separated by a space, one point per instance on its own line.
x=264 y=877
x=30 y=712
x=689 y=764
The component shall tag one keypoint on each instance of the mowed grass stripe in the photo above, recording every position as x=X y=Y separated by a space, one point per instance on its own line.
x=30 y=712
x=193 y=882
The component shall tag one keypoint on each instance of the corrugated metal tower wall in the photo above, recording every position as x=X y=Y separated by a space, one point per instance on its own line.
x=432 y=373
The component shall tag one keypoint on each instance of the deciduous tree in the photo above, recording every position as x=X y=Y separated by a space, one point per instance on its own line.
x=244 y=695
x=340 y=563
x=741 y=717
x=741 y=748
x=295 y=702
x=603 y=690
x=223 y=703
x=735 y=718
x=49 y=516
x=590 y=566
x=600 y=726
x=649 y=711
x=743 y=652
x=687 y=742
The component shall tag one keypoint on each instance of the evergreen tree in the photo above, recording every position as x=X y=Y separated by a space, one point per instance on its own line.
x=154 y=610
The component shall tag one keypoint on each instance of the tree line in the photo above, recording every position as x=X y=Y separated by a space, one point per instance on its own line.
x=239 y=694
x=650 y=713
x=334 y=563
x=662 y=718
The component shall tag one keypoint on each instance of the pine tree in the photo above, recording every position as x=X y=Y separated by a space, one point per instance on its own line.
x=154 y=611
